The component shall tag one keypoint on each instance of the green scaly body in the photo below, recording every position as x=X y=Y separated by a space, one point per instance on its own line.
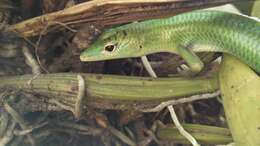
x=198 y=31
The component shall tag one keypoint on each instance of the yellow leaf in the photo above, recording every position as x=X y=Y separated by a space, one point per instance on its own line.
x=240 y=87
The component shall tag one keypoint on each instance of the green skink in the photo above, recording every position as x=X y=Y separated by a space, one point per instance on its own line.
x=184 y=34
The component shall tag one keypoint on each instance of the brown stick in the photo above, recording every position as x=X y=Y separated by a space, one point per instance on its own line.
x=110 y=12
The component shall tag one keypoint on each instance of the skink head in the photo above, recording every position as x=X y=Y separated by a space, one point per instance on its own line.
x=114 y=44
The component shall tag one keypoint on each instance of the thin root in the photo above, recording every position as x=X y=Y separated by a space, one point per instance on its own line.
x=180 y=128
x=170 y=107
x=182 y=100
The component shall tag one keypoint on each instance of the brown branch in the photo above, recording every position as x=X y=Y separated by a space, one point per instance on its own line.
x=111 y=12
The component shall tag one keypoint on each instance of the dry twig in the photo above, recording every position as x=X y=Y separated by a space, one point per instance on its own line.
x=107 y=12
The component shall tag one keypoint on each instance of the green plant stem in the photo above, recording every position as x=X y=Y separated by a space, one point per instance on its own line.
x=203 y=134
x=108 y=89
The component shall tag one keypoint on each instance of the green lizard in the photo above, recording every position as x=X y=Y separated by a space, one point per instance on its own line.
x=184 y=34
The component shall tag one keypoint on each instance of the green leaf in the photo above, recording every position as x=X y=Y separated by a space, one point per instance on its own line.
x=240 y=87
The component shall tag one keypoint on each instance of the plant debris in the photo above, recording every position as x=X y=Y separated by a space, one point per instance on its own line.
x=49 y=97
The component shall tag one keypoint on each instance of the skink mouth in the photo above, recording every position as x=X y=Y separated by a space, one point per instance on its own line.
x=87 y=59
x=84 y=58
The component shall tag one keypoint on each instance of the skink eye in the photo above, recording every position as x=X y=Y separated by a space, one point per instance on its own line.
x=110 y=47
